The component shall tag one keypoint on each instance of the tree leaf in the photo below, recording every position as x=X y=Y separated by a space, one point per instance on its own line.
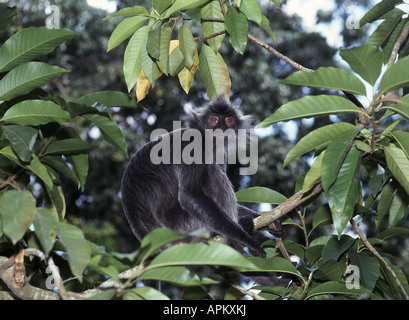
x=65 y=146
x=186 y=76
x=164 y=48
x=6 y=14
x=22 y=139
x=26 y=77
x=187 y=45
x=384 y=203
x=318 y=138
x=335 y=247
x=29 y=43
x=129 y=11
x=398 y=164
x=237 y=27
x=109 y=99
x=35 y=112
x=310 y=106
x=398 y=206
x=17 y=209
x=145 y=293
x=124 y=30
x=378 y=10
x=335 y=155
x=149 y=67
x=396 y=76
x=132 y=57
x=334 y=287
x=109 y=129
x=79 y=252
x=45 y=226
x=327 y=77
x=314 y=173
x=251 y=9
x=180 y=5
x=214 y=73
x=200 y=253
x=80 y=163
x=369 y=269
x=365 y=60
x=343 y=194
x=382 y=33
x=212 y=10
x=177 y=275
x=260 y=195
x=402 y=138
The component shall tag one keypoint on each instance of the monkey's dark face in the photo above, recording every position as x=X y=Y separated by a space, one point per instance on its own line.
x=215 y=121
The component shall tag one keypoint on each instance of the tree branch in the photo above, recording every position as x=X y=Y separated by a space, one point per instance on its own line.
x=399 y=42
x=376 y=254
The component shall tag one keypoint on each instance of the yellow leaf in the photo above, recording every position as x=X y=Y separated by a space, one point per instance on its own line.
x=186 y=76
x=142 y=86
x=172 y=45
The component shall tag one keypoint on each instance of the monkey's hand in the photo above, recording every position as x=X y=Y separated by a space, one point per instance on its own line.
x=276 y=229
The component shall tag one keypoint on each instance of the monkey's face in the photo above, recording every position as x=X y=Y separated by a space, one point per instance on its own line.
x=215 y=121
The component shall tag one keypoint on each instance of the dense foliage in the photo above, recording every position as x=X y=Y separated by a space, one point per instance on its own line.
x=359 y=176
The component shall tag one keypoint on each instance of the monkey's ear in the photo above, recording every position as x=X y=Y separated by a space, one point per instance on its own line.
x=192 y=119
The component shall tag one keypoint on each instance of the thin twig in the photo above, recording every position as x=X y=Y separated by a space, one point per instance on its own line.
x=375 y=253
x=399 y=42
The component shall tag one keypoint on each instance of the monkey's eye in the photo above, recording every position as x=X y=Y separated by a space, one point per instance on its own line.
x=229 y=121
x=214 y=119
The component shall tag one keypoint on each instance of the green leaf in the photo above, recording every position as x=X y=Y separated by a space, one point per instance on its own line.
x=80 y=163
x=369 y=269
x=156 y=239
x=343 y=194
x=327 y=77
x=57 y=163
x=334 y=247
x=260 y=195
x=212 y=10
x=335 y=155
x=35 y=165
x=334 y=287
x=29 y=43
x=214 y=73
x=161 y=5
x=180 y=5
x=132 y=57
x=384 y=203
x=396 y=76
x=79 y=252
x=65 y=146
x=200 y=253
x=382 y=33
x=153 y=40
x=149 y=67
x=398 y=206
x=402 y=138
x=392 y=232
x=187 y=45
x=330 y=270
x=35 y=112
x=177 y=275
x=310 y=106
x=321 y=217
x=45 y=226
x=17 y=209
x=26 y=77
x=145 y=293
x=109 y=99
x=176 y=61
x=124 y=30
x=165 y=38
x=129 y=11
x=6 y=14
x=314 y=173
x=265 y=23
x=237 y=27
x=22 y=139
x=109 y=129
x=398 y=164
x=378 y=10
x=365 y=61
x=318 y=138
x=251 y=9
x=275 y=264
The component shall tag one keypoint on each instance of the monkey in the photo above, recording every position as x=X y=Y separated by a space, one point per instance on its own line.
x=190 y=196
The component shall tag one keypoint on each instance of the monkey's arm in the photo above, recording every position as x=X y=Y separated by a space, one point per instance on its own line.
x=203 y=208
